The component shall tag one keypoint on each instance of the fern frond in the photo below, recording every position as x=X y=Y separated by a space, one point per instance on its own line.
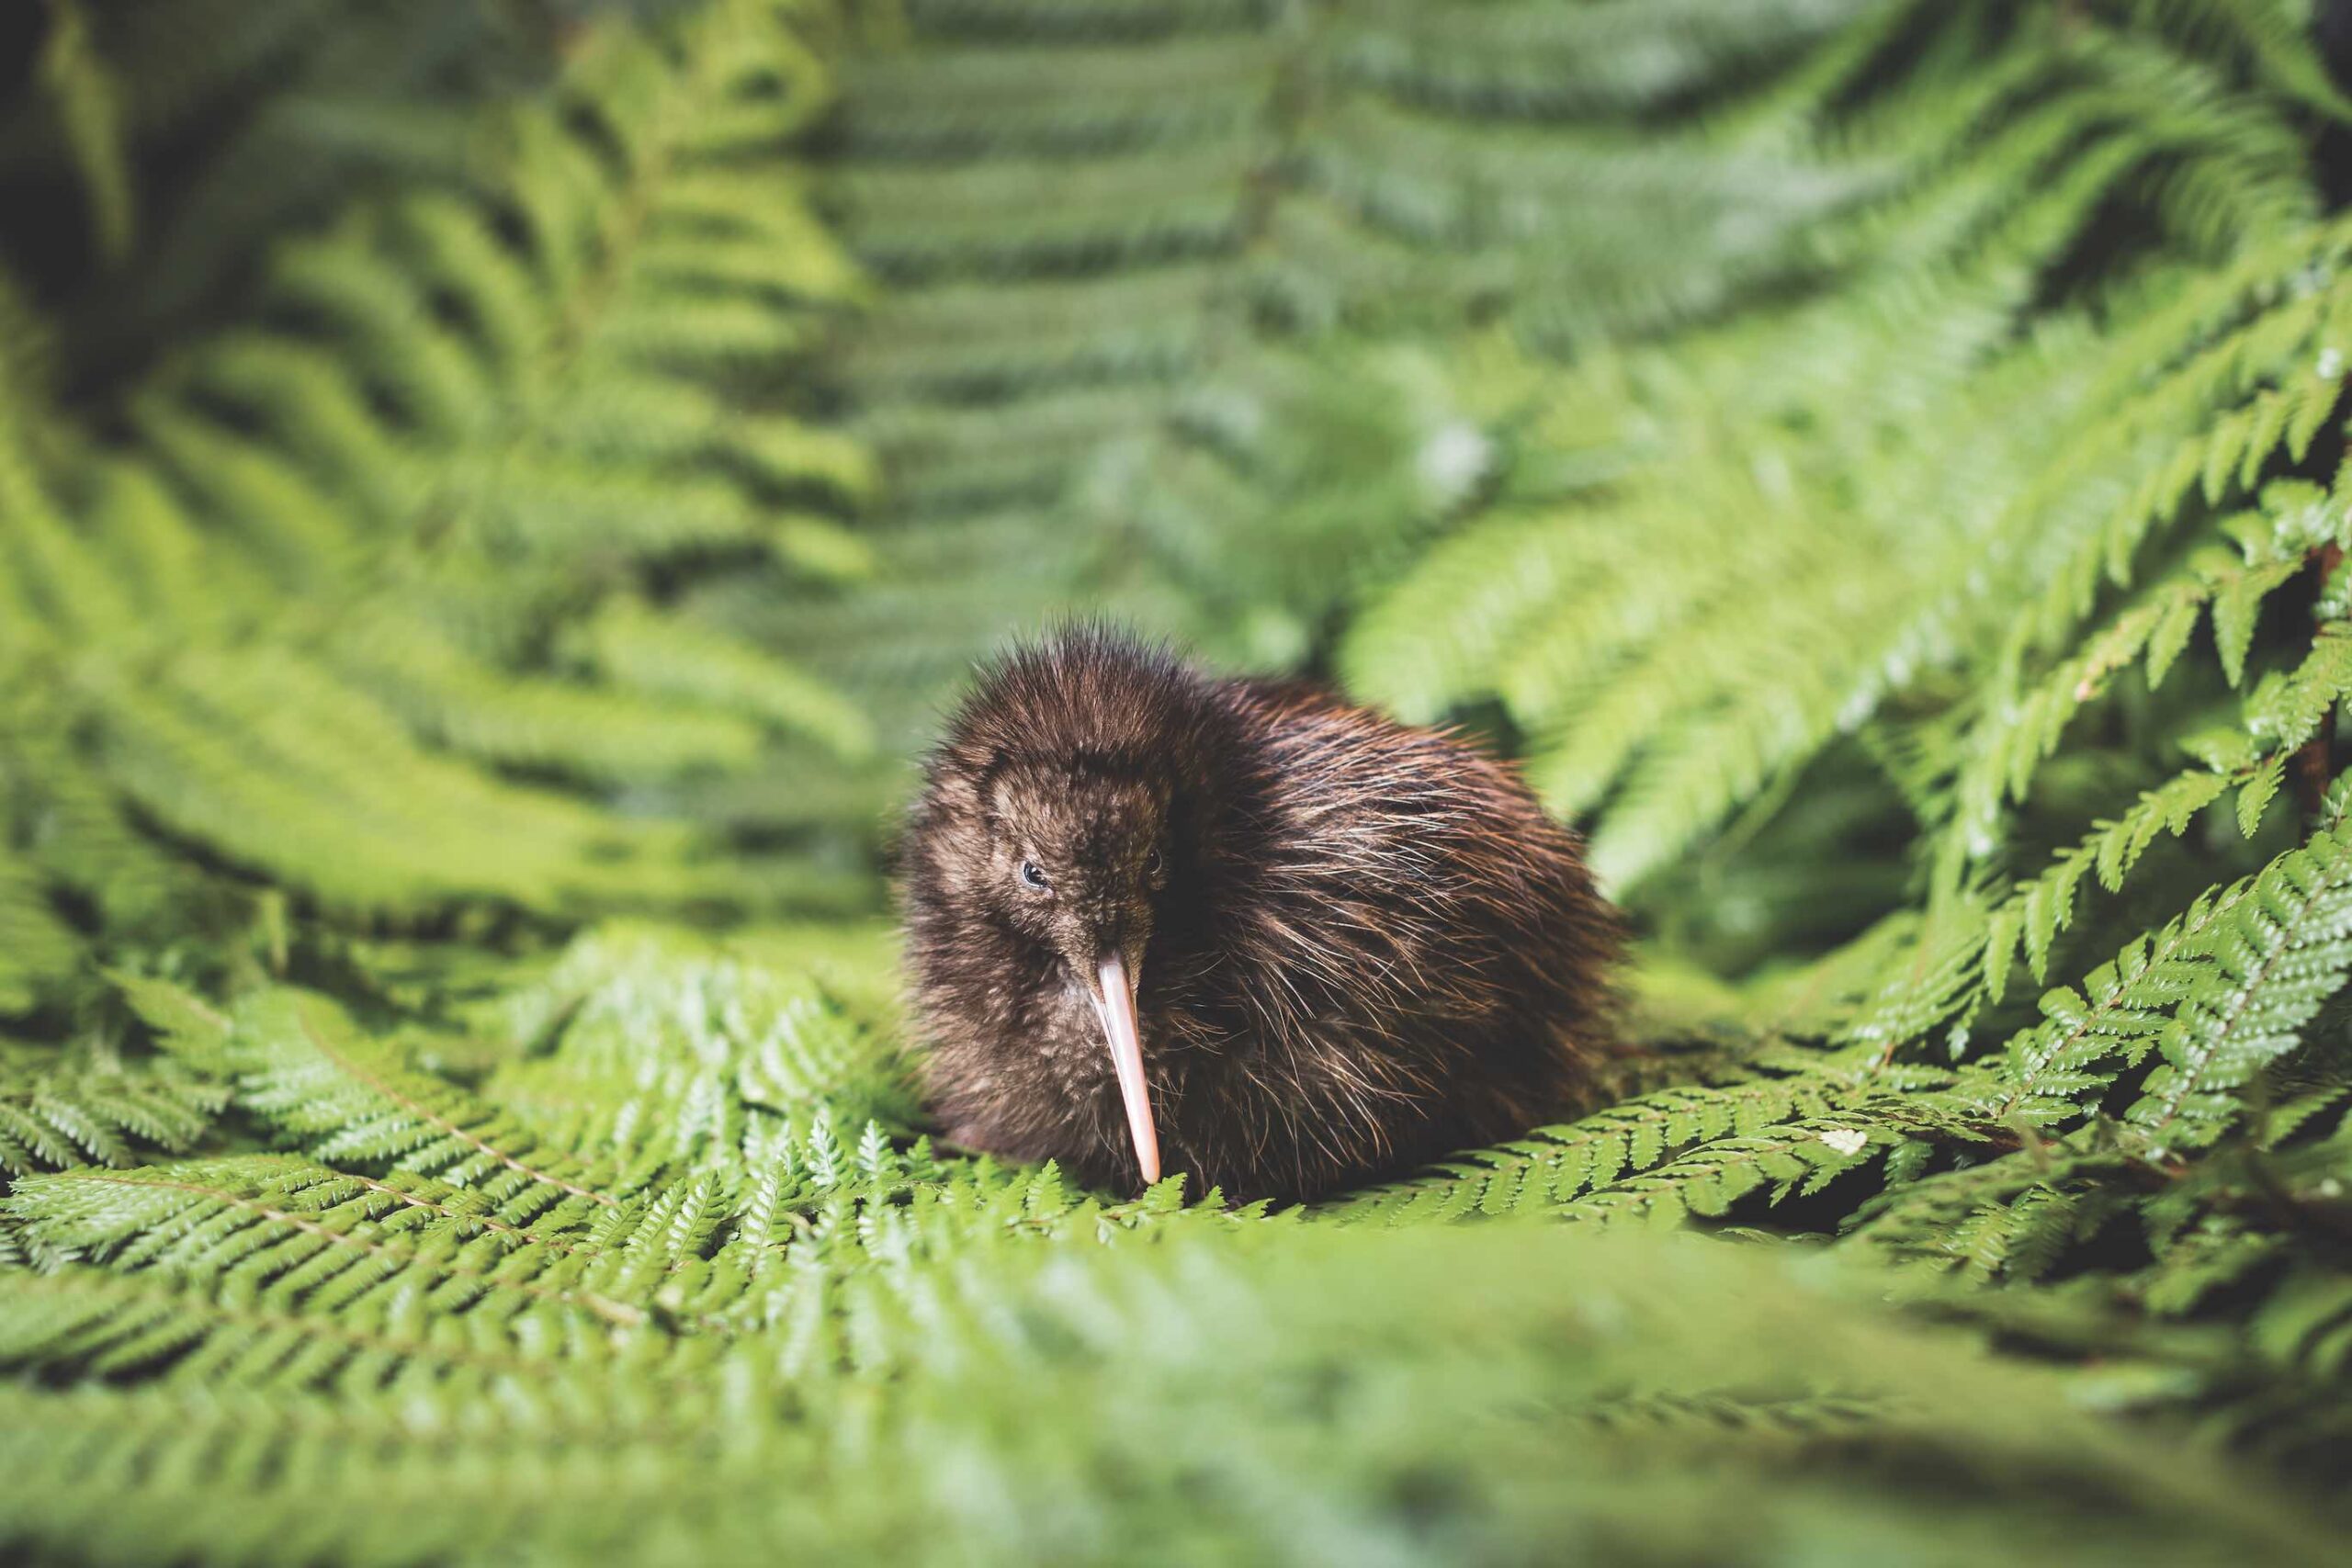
x=305 y=1069
x=38 y=950
x=1560 y=1334
x=442 y=485
x=58 y=1110
x=1879 y=462
x=2283 y=948
x=1794 y=1123
x=692 y=1056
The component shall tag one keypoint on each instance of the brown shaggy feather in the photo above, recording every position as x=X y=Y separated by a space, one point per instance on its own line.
x=1359 y=945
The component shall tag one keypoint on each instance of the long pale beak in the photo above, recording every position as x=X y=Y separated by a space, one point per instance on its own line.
x=1114 y=1004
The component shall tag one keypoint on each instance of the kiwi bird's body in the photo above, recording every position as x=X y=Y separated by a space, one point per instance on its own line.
x=1346 y=945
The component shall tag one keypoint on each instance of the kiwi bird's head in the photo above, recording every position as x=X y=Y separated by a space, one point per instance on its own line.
x=1056 y=815
x=1080 y=857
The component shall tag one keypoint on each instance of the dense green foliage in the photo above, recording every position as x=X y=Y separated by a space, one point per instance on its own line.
x=491 y=496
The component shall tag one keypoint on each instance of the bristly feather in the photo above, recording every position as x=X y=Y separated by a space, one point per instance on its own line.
x=1359 y=944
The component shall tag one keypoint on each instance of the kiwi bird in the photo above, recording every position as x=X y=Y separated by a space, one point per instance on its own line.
x=1246 y=930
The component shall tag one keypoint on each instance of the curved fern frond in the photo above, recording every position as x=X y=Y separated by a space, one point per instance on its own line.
x=2284 y=950
x=443 y=487
x=57 y=1112
x=303 y=1067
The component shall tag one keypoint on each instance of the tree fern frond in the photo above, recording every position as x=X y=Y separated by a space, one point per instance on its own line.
x=2008 y=1218
x=691 y=1056
x=1564 y=1336
x=2285 y=947
x=305 y=1069
x=2047 y=1069
x=57 y=1110
x=667 y=657
x=1529 y=59
x=534 y=473
x=2045 y=906
x=1799 y=1157
x=1555 y=1166
x=2274 y=37
x=455 y=425
x=38 y=950
x=447 y=697
x=267 y=1273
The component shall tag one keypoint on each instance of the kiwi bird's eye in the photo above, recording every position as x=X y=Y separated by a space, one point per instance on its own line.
x=1154 y=863
x=1031 y=877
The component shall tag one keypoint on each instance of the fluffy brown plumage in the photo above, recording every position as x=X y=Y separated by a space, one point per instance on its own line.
x=1351 y=945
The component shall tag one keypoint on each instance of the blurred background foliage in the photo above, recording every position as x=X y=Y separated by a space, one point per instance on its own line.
x=493 y=496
